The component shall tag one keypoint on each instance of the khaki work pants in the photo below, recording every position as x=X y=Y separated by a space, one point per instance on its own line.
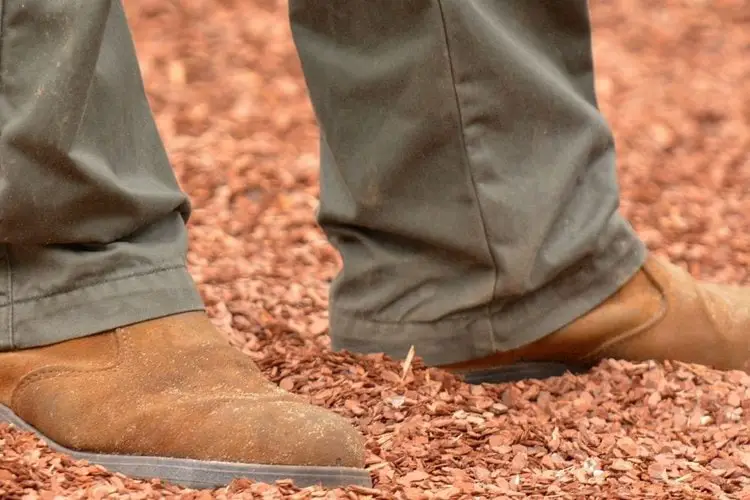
x=468 y=178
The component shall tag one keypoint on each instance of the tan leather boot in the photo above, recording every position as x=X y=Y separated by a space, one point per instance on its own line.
x=660 y=314
x=170 y=398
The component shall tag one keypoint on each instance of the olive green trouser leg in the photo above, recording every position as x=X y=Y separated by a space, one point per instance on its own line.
x=92 y=222
x=468 y=178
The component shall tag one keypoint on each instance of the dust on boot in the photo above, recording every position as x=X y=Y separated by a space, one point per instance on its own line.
x=169 y=398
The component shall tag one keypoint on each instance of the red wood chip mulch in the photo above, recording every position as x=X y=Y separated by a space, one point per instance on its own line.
x=674 y=81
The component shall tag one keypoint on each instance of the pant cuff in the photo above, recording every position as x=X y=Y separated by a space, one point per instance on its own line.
x=98 y=308
x=476 y=335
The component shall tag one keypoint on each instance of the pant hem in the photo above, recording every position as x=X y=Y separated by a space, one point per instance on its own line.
x=100 y=307
x=466 y=337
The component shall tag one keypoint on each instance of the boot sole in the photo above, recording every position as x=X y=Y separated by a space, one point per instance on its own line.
x=520 y=371
x=201 y=474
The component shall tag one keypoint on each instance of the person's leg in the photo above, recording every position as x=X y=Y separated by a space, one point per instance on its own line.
x=92 y=221
x=468 y=179
x=469 y=183
x=92 y=227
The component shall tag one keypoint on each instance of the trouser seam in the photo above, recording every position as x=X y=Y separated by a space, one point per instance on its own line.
x=449 y=319
x=6 y=253
x=9 y=281
x=454 y=339
x=2 y=25
x=467 y=161
x=110 y=279
x=560 y=294
x=101 y=308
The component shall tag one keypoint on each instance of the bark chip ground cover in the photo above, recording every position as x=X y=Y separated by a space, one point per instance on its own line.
x=673 y=80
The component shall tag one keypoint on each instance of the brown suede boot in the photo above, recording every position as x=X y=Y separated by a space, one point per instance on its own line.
x=169 y=398
x=660 y=314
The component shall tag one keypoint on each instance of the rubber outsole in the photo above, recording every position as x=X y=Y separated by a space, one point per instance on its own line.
x=201 y=474
x=520 y=371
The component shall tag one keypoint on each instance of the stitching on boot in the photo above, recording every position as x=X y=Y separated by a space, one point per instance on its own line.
x=63 y=372
x=656 y=319
x=123 y=348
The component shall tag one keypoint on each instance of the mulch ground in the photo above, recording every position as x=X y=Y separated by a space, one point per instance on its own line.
x=674 y=81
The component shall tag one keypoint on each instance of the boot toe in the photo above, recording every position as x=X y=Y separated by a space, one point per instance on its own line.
x=281 y=432
x=303 y=434
x=325 y=437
